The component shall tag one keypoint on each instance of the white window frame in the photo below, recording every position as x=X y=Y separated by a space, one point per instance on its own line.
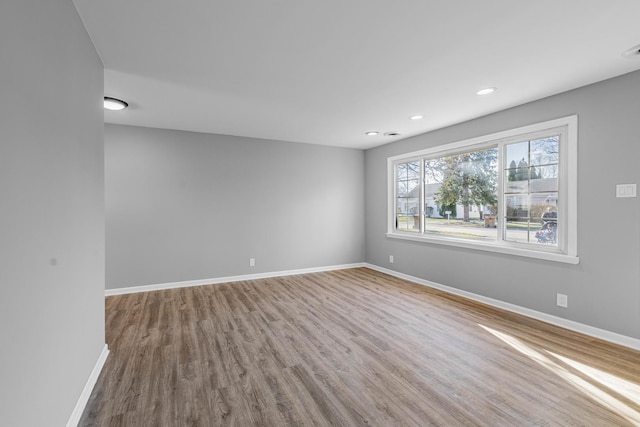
x=566 y=250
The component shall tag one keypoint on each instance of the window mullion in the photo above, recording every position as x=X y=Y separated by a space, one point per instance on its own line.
x=422 y=198
x=500 y=231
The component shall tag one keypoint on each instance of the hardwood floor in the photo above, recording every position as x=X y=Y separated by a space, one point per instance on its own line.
x=350 y=347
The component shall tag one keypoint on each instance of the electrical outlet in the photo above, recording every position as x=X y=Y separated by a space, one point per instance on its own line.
x=562 y=300
x=252 y=262
x=391 y=259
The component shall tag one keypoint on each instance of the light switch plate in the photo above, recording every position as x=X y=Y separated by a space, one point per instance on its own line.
x=625 y=190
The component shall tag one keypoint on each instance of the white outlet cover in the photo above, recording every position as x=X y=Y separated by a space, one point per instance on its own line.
x=562 y=300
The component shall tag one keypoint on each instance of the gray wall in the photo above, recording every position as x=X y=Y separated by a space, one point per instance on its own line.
x=52 y=211
x=187 y=206
x=604 y=289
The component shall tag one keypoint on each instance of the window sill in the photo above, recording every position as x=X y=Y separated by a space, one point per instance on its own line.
x=516 y=251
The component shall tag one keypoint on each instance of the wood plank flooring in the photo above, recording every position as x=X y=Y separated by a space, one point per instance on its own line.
x=350 y=347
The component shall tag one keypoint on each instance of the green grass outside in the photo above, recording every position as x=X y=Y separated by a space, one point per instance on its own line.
x=474 y=223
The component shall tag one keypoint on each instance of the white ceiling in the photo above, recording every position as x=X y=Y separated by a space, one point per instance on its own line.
x=327 y=71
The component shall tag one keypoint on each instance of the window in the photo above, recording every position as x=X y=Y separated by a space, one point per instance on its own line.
x=408 y=196
x=511 y=192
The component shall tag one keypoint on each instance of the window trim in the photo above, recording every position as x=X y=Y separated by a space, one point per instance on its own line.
x=568 y=191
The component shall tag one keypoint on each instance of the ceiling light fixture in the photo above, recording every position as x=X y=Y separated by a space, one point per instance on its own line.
x=633 y=52
x=487 y=91
x=416 y=117
x=114 y=104
x=392 y=134
x=372 y=133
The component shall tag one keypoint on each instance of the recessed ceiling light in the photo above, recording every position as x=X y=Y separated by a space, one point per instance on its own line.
x=372 y=133
x=114 y=104
x=634 y=52
x=486 y=91
x=392 y=134
x=416 y=117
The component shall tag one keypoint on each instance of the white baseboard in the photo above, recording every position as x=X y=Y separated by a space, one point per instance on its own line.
x=602 y=334
x=214 y=281
x=74 y=419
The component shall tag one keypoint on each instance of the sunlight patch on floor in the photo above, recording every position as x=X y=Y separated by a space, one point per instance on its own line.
x=618 y=385
x=626 y=388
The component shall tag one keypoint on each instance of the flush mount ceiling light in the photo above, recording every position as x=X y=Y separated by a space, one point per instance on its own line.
x=634 y=52
x=486 y=91
x=391 y=134
x=114 y=104
x=372 y=133
x=416 y=117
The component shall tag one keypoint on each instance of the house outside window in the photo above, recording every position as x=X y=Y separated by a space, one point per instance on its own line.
x=510 y=192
